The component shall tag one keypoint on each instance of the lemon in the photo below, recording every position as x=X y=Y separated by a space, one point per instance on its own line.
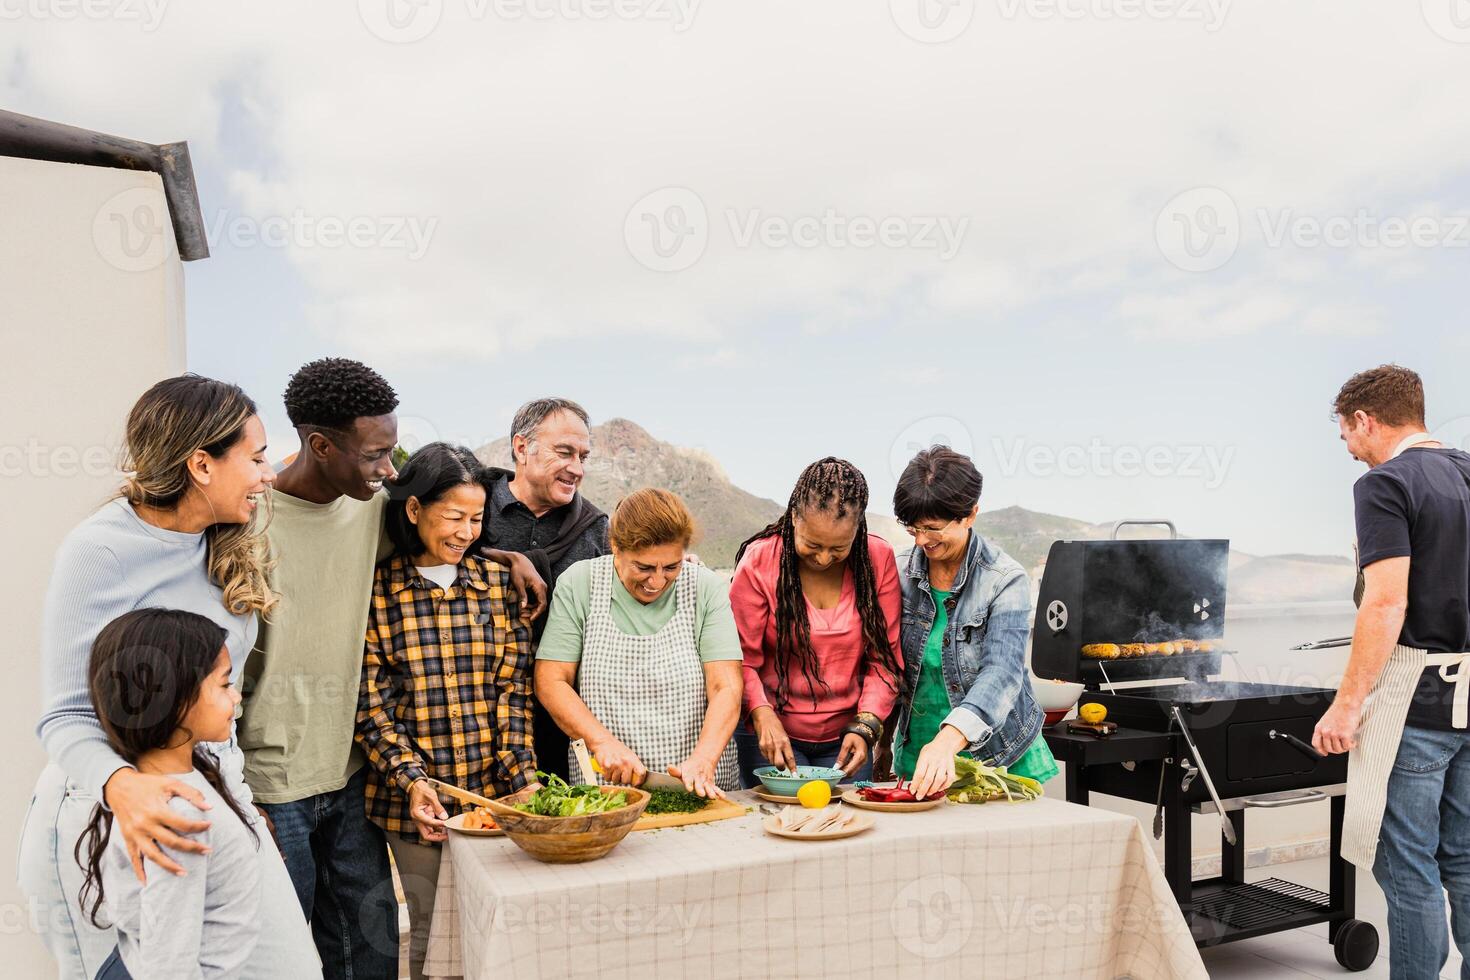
x=814 y=795
x=1092 y=712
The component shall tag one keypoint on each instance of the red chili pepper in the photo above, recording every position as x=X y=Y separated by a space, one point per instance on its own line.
x=893 y=794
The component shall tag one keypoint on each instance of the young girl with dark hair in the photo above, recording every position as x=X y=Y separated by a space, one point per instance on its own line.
x=446 y=678
x=817 y=603
x=160 y=684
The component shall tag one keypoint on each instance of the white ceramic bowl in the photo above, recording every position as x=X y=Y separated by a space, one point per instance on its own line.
x=1055 y=695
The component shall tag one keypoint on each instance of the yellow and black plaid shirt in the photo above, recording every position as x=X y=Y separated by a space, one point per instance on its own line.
x=446 y=688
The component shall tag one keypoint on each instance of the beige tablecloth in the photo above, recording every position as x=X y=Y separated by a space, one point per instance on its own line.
x=1039 y=889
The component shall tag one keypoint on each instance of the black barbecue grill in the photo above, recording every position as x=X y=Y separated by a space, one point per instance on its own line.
x=1150 y=615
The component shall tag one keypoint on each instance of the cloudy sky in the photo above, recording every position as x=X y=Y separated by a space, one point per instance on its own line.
x=1123 y=251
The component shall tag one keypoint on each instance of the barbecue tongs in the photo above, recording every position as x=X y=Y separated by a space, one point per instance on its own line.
x=1226 y=827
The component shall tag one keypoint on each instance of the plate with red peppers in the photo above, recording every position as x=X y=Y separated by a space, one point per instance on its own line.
x=897 y=798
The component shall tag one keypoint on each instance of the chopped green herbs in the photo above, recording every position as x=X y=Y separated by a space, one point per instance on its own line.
x=674 y=801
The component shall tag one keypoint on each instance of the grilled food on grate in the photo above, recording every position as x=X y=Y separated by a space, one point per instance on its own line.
x=1115 y=651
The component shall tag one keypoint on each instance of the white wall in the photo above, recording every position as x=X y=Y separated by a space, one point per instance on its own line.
x=91 y=314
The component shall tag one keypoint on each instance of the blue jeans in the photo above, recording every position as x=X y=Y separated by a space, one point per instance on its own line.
x=51 y=879
x=807 y=754
x=338 y=863
x=113 y=968
x=1424 y=851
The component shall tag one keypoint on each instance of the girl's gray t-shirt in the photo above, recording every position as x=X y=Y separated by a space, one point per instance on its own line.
x=206 y=924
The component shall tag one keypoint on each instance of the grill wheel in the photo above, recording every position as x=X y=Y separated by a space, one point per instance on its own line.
x=1356 y=945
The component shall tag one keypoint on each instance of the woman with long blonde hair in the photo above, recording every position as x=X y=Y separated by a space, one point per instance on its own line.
x=182 y=532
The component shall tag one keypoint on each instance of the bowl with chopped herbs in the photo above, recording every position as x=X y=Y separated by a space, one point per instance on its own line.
x=561 y=823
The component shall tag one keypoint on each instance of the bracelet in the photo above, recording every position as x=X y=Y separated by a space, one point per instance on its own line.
x=864 y=731
x=873 y=722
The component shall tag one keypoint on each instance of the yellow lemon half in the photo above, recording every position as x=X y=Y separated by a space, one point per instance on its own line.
x=814 y=795
x=1092 y=712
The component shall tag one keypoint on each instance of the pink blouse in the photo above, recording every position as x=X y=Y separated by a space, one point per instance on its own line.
x=856 y=681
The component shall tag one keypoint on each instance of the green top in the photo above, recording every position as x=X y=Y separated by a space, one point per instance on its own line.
x=931 y=707
x=714 y=624
x=299 y=715
x=931 y=701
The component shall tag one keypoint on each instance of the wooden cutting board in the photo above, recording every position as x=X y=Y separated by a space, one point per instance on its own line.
x=717 y=810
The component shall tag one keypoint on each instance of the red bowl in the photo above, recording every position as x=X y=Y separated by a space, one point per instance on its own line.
x=1052 y=717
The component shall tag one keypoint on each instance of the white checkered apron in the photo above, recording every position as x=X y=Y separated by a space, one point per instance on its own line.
x=1370 y=763
x=649 y=691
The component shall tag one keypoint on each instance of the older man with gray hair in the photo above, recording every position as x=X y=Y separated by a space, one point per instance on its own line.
x=537 y=510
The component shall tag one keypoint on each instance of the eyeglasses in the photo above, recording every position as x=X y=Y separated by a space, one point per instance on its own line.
x=914 y=531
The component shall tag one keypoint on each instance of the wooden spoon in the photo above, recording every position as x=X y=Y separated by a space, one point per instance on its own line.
x=463 y=795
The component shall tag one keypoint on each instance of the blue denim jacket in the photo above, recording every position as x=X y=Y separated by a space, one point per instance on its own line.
x=984 y=651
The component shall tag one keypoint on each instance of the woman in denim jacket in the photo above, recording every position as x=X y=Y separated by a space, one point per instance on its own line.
x=966 y=619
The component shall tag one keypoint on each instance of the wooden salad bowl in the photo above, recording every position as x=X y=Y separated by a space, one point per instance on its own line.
x=568 y=840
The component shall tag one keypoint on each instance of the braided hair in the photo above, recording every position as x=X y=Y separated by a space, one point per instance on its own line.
x=836 y=487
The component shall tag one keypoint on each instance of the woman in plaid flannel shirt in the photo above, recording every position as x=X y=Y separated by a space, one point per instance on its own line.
x=446 y=682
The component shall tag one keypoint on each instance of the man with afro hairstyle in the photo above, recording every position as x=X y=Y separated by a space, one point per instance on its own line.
x=301 y=682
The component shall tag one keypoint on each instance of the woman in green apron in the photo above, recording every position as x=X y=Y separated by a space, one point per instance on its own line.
x=966 y=620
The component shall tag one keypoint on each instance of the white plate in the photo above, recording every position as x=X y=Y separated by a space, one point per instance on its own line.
x=853 y=798
x=770 y=797
x=456 y=824
x=771 y=825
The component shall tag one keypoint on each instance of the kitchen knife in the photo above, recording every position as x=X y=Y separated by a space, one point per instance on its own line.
x=589 y=766
x=659 y=780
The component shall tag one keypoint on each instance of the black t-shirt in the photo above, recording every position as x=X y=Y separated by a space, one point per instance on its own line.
x=1417 y=505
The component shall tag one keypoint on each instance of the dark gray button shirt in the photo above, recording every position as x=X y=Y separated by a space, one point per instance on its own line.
x=512 y=527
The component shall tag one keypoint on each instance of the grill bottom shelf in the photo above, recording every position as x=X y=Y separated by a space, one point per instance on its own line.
x=1261 y=905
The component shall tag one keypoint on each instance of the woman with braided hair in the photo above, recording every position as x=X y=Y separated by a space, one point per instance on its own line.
x=817 y=603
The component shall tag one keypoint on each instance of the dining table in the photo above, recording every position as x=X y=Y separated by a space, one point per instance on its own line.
x=1041 y=888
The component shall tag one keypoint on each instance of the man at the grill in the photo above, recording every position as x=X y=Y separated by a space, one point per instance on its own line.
x=1408 y=795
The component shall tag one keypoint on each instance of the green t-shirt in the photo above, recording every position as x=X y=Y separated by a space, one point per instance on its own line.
x=931 y=702
x=714 y=624
x=931 y=707
x=301 y=681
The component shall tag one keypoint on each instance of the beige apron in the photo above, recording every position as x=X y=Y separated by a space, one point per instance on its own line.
x=1370 y=762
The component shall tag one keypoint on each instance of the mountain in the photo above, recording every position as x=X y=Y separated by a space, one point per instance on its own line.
x=1027 y=535
x=1293 y=578
x=626 y=457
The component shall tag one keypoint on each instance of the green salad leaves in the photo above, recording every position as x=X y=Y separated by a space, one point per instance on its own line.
x=556 y=798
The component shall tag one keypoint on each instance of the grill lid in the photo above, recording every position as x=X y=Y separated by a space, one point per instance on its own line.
x=1129 y=592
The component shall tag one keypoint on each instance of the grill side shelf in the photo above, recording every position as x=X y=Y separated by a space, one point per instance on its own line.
x=1261 y=907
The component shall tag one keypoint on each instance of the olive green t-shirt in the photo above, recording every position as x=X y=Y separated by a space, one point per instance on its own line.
x=714 y=624
x=301 y=681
